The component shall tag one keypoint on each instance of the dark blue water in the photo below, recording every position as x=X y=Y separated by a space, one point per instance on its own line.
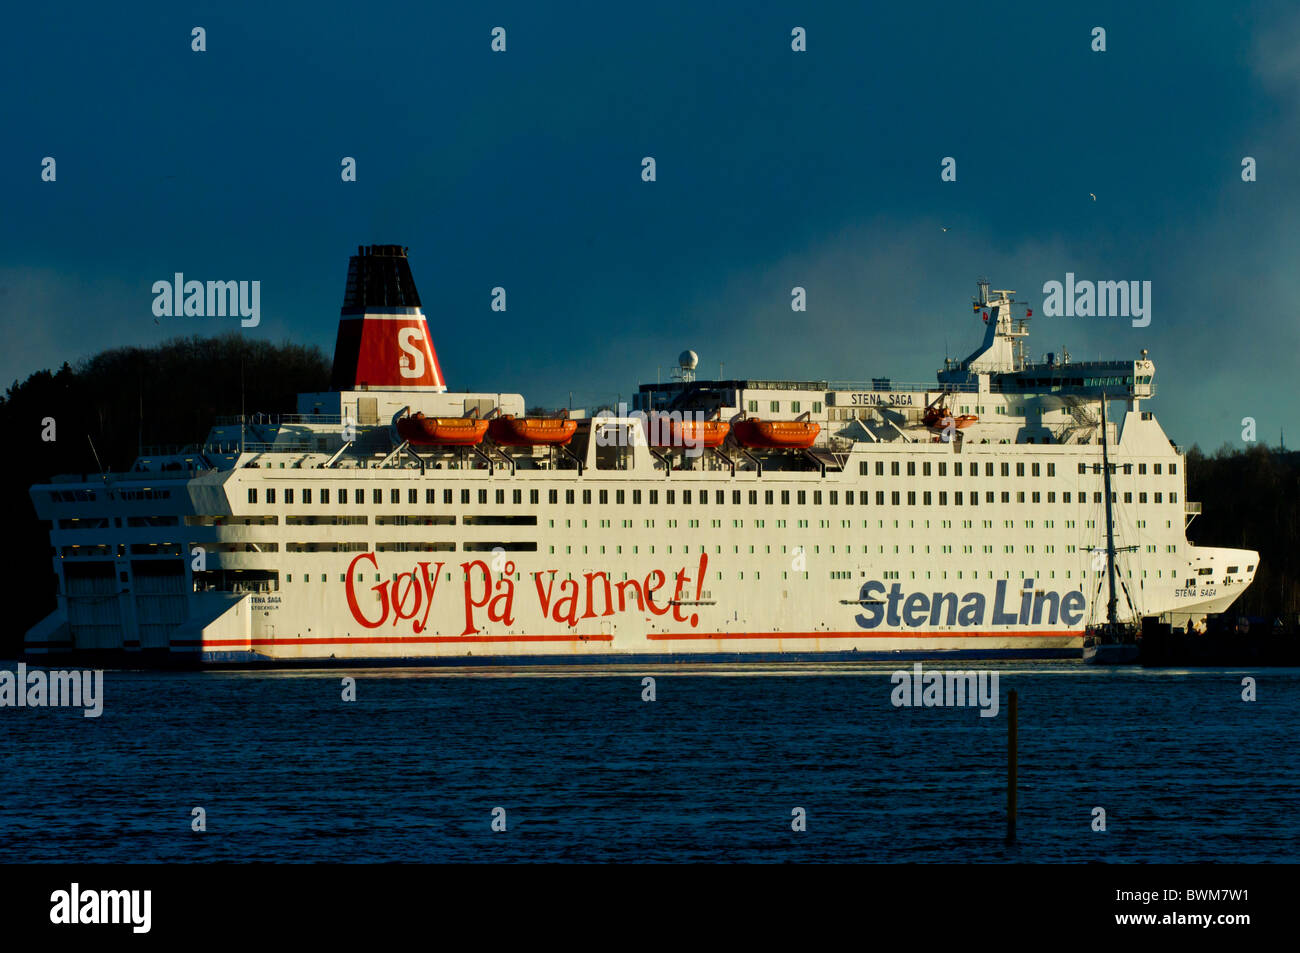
x=586 y=770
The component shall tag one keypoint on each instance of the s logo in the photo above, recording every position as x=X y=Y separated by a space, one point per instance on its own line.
x=406 y=340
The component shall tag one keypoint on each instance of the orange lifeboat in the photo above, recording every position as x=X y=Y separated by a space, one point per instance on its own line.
x=777 y=434
x=936 y=419
x=512 y=431
x=442 y=431
x=688 y=433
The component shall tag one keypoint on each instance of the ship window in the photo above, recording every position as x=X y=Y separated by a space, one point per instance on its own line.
x=1157 y=469
x=376 y=496
x=925 y=497
x=925 y=468
x=534 y=496
x=586 y=497
x=1142 y=469
x=794 y=406
x=1232 y=569
x=1160 y=498
x=720 y=497
x=834 y=497
x=686 y=496
x=343 y=495
x=817 y=409
x=817 y=497
x=270 y=495
x=785 y=497
x=848 y=497
x=975 y=498
x=911 y=498
x=1065 y=497
x=1006 y=497
x=1128 y=469
x=943 y=469
x=1083 y=468
x=324 y=495
x=1033 y=469
x=604 y=496
x=893 y=497
x=1020 y=469
x=394 y=495
x=1034 y=497
x=988 y=469
x=636 y=496
x=1096 y=497
x=1173 y=468
x=252 y=494
x=768 y=497
x=775 y=406
x=988 y=497
x=430 y=496
x=753 y=406
x=568 y=496
x=1128 y=497
x=943 y=497
x=670 y=497
x=517 y=496
x=654 y=497
x=801 y=497
x=735 y=497
x=464 y=497
x=1006 y=469
x=306 y=496
x=482 y=496
x=957 y=498
x=552 y=496
x=862 y=468
x=1051 y=496
x=893 y=468
x=956 y=469
x=911 y=468
x=880 y=497
x=880 y=468
x=753 y=497
x=499 y=496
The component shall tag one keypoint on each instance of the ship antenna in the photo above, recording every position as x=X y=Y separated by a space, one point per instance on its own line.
x=102 y=475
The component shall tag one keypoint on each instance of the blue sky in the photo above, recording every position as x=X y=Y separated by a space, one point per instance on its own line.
x=522 y=169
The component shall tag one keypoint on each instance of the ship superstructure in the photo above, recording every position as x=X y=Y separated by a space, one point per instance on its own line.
x=391 y=519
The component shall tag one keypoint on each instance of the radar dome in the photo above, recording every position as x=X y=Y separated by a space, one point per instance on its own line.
x=689 y=360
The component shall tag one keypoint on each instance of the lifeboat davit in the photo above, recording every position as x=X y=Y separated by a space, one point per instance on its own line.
x=442 y=431
x=776 y=434
x=512 y=431
x=936 y=418
x=688 y=433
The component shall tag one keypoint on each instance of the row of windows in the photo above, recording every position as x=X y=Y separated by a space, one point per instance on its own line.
x=799 y=497
x=796 y=407
x=927 y=468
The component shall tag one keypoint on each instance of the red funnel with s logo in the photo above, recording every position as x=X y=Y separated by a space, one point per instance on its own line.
x=383 y=341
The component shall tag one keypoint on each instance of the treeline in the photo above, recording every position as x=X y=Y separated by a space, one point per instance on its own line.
x=119 y=400
x=1251 y=500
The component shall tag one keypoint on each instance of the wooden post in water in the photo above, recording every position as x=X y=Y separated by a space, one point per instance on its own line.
x=1012 y=765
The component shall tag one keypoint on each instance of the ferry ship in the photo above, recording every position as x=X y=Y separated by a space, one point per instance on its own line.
x=393 y=521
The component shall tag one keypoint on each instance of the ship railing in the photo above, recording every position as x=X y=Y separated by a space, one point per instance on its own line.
x=884 y=385
x=275 y=420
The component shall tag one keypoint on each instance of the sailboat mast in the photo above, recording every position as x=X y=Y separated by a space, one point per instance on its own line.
x=1113 y=602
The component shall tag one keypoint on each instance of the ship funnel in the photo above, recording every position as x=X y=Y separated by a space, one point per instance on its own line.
x=383 y=341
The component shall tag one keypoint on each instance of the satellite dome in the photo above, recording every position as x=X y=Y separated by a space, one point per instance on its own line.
x=688 y=360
